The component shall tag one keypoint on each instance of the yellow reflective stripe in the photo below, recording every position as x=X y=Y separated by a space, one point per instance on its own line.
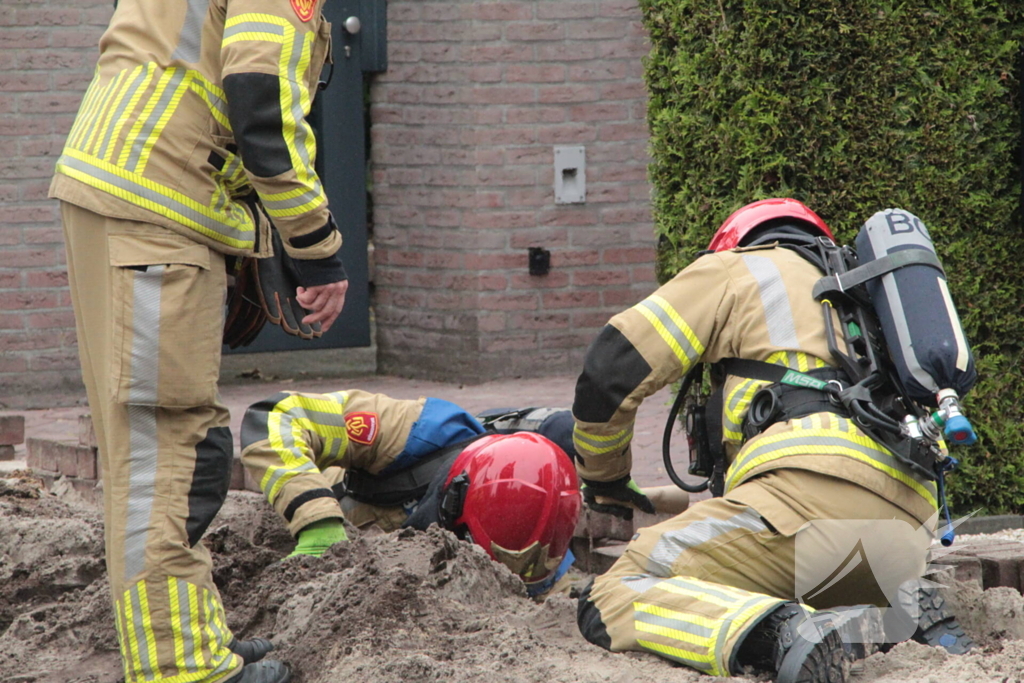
x=161 y=123
x=252 y=35
x=604 y=444
x=305 y=105
x=86 y=111
x=294 y=460
x=179 y=639
x=661 y=314
x=851 y=445
x=143 y=87
x=317 y=198
x=133 y=646
x=287 y=114
x=694 y=619
x=194 y=621
x=734 y=414
x=83 y=109
x=212 y=96
x=700 y=595
x=143 y=118
x=102 y=96
x=122 y=638
x=670 y=651
x=147 y=625
x=107 y=107
x=740 y=620
x=173 y=207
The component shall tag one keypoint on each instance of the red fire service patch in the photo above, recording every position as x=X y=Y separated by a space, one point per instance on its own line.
x=362 y=427
x=304 y=8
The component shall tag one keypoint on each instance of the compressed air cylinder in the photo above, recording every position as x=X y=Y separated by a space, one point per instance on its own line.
x=913 y=305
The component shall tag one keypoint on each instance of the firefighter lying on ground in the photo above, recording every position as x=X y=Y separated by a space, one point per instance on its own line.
x=714 y=587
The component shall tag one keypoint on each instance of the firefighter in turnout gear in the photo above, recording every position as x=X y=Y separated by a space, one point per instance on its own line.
x=715 y=588
x=375 y=460
x=192 y=127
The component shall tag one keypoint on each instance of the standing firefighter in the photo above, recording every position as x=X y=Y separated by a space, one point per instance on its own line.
x=722 y=587
x=195 y=119
x=375 y=460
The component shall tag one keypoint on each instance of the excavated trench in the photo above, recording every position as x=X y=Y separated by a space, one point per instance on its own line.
x=406 y=606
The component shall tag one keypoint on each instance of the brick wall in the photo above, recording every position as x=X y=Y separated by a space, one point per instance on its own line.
x=464 y=125
x=476 y=96
x=47 y=52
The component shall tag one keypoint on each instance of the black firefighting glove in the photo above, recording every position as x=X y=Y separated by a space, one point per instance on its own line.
x=617 y=497
x=278 y=278
x=270 y=283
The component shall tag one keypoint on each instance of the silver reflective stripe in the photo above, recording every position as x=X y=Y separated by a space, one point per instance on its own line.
x=253 y=27
x=214 y=623
x=665 y=319
x=674 y=543
x=304 y=198
x=191 y=32
x=142 y=395
x=185 y=621
x=126 y=97
x=675 y=624
x=775 y=300
x=170 y=88
x=149 y=667
x=641 y=584
x=142 y=192
x=702 y=587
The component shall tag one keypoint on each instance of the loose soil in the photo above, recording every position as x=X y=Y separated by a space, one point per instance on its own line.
x=405 y=606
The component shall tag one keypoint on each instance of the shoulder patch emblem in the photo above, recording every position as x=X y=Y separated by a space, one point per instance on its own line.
x=362 y=427
x=304 y=8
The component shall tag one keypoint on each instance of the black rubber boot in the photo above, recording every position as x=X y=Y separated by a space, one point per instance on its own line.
x=252 y=650
x=267 y=671
x=938 y=627
x=800 y=647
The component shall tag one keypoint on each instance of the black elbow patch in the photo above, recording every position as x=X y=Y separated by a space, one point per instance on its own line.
x=254 y=109
x=612 y=370
x=255 y=426
x=211 y=480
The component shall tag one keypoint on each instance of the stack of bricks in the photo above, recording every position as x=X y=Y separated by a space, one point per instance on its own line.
x=48 y=49
x=12 y=433
x=76 y=461
x=464 y=125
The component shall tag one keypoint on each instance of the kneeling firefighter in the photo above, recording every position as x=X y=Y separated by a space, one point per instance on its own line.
x=820 y=447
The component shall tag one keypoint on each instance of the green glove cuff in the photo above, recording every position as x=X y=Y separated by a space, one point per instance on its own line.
x=317 y=537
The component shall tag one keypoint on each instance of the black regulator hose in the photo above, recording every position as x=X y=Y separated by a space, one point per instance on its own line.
x=666 y=440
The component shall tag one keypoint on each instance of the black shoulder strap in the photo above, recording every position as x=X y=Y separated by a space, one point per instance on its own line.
x=404 y=485
x=880 y=266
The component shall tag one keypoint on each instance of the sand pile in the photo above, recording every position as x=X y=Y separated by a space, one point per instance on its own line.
x=407 y=606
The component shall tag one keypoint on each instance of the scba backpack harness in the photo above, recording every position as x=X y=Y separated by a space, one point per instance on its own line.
x=905 y=353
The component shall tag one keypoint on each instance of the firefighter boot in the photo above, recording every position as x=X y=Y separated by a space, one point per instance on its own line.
x=252 y=650
x=936 y=625
x=800 y=647
x=267 y=671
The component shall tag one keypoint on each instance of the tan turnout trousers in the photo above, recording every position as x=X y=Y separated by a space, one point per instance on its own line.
x=690 y=588
x=149 y=313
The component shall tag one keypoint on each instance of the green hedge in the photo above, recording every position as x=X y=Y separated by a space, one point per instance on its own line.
x=853 y=106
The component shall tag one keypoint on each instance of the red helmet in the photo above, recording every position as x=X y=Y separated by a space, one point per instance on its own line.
x=519 y=501
x=744 y=220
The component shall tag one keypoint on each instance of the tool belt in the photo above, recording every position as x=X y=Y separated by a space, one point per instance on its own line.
x=782 y=401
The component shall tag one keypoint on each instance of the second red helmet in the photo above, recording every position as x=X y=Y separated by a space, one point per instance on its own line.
x=746 y=219
x=520 y=501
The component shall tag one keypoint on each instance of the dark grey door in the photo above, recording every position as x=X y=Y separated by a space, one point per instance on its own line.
x=338 y=119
